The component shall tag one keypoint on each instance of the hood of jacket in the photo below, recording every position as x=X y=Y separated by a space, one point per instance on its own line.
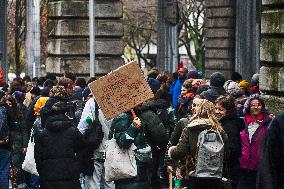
x=152 y=105
x=199 y=124
x=57 y=123
x=213 y=93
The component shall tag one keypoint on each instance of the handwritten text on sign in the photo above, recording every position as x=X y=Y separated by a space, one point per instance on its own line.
x=121 y=90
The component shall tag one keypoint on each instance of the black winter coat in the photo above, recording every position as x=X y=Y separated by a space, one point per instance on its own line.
x=55 y=154
x=271 y=173
x=232 y=125
x=213 y=93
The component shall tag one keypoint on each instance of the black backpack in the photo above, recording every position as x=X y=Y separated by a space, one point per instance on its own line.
x=94 y=135
x=4 y=129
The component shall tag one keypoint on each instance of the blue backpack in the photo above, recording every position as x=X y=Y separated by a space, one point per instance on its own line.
x=4 y=130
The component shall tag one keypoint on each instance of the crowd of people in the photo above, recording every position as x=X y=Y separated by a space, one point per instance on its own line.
x=166 y=130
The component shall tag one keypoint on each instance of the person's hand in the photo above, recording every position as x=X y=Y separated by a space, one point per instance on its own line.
x=178 y=174
x=170 y=169
x=137 y=122
x=171 y=150
x=24 y=150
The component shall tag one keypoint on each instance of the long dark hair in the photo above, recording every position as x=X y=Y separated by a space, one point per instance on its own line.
x=15 y=109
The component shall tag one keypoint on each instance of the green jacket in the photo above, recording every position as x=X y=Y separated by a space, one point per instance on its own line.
x=125 y=133
x=187 y=144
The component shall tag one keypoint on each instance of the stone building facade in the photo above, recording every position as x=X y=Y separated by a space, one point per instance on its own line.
x=68 y=36
x=248 y=37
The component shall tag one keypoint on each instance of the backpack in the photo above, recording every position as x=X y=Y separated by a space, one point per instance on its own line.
x=4 y=129
x=209 y=155
x=93 y=136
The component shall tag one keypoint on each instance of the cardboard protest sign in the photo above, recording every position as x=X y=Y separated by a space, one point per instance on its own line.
x=121 y=90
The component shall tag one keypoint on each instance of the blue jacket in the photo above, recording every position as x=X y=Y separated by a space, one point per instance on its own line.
x=176 y=90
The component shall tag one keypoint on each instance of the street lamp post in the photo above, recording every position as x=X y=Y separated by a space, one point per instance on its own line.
x=3 y=38
x=92 y=34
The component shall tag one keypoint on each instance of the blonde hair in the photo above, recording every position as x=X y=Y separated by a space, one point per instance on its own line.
x=206 y=110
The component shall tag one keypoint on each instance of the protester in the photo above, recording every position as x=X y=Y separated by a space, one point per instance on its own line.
x=236 y=77
x=7 y=134
x=185 y=100
x=97 y=178
x=127 y=131
x=257 y=120
x=271 y=173
x=80 y=85
x=232 y=125
x=157 y=139
x=244 y=85
x=174 y=139
x=21 y=138
x=55 y=151
x=217 y=80
x=254 y=84
x=176 y=86
x=203 y=119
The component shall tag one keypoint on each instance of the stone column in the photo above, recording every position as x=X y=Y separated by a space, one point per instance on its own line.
x=272 y=54
x=68 y=42
x=219 y=37
x=247 y=37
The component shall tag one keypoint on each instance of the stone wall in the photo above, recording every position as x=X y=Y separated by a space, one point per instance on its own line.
x=219 y=37
x=68 y=36
x=272 y=54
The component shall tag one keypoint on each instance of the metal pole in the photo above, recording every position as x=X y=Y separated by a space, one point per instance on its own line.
x=3 y=38
x=29 y=41
x=92 y=37
x=36 y=38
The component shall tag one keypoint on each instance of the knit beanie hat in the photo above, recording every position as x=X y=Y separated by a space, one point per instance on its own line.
x=86 y=92
x=154 y=84
x=197 y=82
x=39 y=104
x=19 y=96
x=244 y=83
x=217 y=79
x=233 y=88
x=254 y=80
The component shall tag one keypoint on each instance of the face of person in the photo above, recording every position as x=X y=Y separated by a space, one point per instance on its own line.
x=220 y=111
x=182 y=74
x=243 y=91
x=195 y=102
x=183 y=90
x=69 y=90
x=9 y=103
x=255 y=107
x=88 y=97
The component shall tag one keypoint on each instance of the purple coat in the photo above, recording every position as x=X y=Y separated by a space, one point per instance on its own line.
x=251 y=151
